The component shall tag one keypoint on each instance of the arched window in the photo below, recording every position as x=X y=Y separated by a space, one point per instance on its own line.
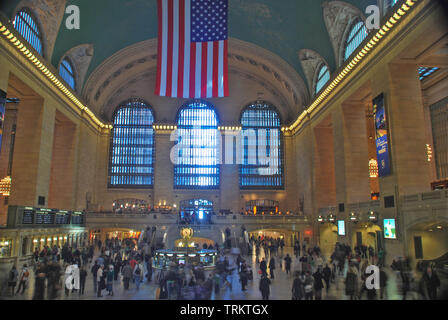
x=132 y=146
x=322 y=78
x=196 y=166
x=261 y=164
x=358 y=32
x=27 y=27
x=66 y=72
x=389 y=4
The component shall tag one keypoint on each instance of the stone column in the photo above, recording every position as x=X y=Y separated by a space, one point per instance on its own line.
x=32 y=152
x=163 y=169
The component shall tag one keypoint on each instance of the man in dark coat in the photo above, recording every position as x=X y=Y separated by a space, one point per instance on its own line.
x=432 y=283
x=265 y=287
x=318 y=284
x=272 y=267
x=288 y=261
x=326 y=273
x=263 y=266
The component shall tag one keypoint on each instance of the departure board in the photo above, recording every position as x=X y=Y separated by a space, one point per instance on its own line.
x=62 y=217
x=28 y=216
x=77 y=218
x=44 y=217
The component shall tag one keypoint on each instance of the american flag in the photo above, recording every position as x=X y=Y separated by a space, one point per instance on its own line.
x=192 y=49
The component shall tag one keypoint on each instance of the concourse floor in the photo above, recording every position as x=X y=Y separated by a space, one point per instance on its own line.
x=280 y=288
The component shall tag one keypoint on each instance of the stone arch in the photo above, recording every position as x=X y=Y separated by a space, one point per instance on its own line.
x=311 y=62
x=249 y=65
x=80 y=57
x=338 y=17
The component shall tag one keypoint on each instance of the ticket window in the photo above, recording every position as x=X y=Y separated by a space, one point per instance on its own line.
x=5 y=248
x=25 y=246
x=36 y=244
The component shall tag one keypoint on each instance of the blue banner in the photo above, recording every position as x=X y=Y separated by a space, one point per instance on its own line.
x=2 y=114
x=382 y=140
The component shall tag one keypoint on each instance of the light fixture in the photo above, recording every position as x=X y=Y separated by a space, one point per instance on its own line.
x=373 y=168
x=320 y=219
x=354 y=217
x=372 y=216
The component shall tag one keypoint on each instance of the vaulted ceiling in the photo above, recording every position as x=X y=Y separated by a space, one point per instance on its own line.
x=283 y=27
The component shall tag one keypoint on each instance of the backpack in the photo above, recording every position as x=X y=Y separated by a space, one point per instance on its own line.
x=137 y=271
x=11 y=275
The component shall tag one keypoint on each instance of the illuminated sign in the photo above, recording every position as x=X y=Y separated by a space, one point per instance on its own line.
x=390 y=229
x=382 y=140
x=341 y=227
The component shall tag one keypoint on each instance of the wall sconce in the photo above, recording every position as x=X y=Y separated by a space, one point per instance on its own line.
x=331 y=218
x=373 y=217
x=353 y=217
x=321 y=219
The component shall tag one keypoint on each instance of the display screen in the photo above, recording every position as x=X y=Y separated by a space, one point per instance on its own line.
x=77 y=218
x=389 y=229
x=28 y=216
x=382 y=140
x=341 y=227
x=44 y=217
x=62 y=217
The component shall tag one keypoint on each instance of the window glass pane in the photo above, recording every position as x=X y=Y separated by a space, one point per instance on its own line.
x=357 y=35
x=27 y=27
x=66 y=72
x=323 y=77
x=261 y=164
x=132 y=146
x=197 y=165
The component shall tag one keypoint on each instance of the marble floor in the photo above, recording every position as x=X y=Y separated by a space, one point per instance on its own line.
x=280 y=288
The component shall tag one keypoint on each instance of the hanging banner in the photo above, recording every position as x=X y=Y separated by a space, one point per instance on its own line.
x=382 y=136
x=2 y=114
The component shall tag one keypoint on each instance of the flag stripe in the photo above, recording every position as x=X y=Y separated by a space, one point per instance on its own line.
x=226 y=69
x=198 y=70
x=221 y=70
x=159 y=47
x=169 y=71
x=192 y=70
x=210 y=53
x=175 y=66
x=164 y=54
x=180 y=78
x=215 y=68
x=187 y=66
x=204 y=70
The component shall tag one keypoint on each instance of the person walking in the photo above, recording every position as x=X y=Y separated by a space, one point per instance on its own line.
x=100 y=280
x=12 y=279
x=326 y=273
x=318 y=284
x=94 y=271
x=243 y=276
x=39 y=283
x=351 y=283
x=288 y=261
x=263 y=266
x=82 y=280
x=110 y=280
x=431 y=283
x=127 y=275
x=23 y=279
x=309 y=286
x=265 y=287
x=298 y=291
x=138 y=272
x=272 y=267
x=383 y=284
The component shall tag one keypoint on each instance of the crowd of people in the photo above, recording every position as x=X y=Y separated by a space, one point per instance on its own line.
x=60 y=271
